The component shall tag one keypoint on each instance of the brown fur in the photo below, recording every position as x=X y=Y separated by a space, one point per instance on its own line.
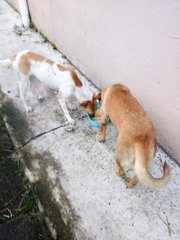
x=49 y=61
x=38 y=58
x=35 y=57
x=74 y=76
x=90 y=106
x=12 y=58
x=24 y=64
x=137 y=134
x=62 y=68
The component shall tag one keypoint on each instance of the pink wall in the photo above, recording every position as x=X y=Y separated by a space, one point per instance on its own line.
x=133 y=42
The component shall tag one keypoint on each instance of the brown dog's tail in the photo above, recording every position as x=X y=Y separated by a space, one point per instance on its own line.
x=142 y=172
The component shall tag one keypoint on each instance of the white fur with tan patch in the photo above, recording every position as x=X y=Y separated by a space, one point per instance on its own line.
x=62 y=79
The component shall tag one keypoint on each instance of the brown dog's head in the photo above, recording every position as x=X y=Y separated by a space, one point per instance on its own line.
x=91 y=106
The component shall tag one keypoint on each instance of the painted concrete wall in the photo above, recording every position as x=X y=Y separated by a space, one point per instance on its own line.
x=136 y=43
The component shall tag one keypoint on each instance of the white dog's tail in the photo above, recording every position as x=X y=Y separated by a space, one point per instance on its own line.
x=6 y=62
x=142 y=172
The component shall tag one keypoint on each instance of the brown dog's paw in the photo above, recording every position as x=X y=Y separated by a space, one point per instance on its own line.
x=129 y=183
x=119 y=171
x=101 y=138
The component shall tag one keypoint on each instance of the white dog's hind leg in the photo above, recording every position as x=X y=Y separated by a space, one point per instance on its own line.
x=62 y=102
x=72 y=103
x=23 y=85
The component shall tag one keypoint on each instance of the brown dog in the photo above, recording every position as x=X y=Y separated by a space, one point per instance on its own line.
x=137 y=135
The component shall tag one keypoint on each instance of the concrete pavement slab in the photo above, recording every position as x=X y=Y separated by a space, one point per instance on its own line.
x=105 y=208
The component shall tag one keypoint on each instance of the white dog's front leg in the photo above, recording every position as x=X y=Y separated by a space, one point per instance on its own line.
x=62 y=102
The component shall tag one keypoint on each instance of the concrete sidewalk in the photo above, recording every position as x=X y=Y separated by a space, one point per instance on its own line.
x=73 y=174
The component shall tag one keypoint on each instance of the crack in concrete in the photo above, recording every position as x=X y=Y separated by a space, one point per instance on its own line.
x=45 y=132
x=41 y=134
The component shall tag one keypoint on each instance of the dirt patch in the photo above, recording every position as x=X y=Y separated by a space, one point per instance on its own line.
x=58 y=209
x=16 y=121
x=19 y=216
x=24 y=228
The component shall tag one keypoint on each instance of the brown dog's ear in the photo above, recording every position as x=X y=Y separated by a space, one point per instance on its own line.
x=84 y=104
x=98 y=96
x=94 y=96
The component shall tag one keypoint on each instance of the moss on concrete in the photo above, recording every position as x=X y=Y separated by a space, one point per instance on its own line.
x=16 y=120
x=44 y=37
x=61 y=213
x=15 y=191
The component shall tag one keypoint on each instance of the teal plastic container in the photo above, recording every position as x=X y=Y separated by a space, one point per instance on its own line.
x=93 y=122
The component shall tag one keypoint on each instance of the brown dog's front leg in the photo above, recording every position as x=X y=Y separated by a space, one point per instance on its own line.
x=102 y=130
x=102 y=133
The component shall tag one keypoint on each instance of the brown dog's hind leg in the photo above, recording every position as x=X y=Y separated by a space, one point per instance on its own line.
x=131 y=182
x=120 y=151
x=119 y=169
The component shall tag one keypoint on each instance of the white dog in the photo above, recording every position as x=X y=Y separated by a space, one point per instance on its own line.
x=62 y=79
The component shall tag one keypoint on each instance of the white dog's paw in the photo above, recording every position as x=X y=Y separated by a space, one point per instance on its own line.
x=71 y=125
x=70 y=128
x=72 y=122
x=28 y=109
x=40 y=98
